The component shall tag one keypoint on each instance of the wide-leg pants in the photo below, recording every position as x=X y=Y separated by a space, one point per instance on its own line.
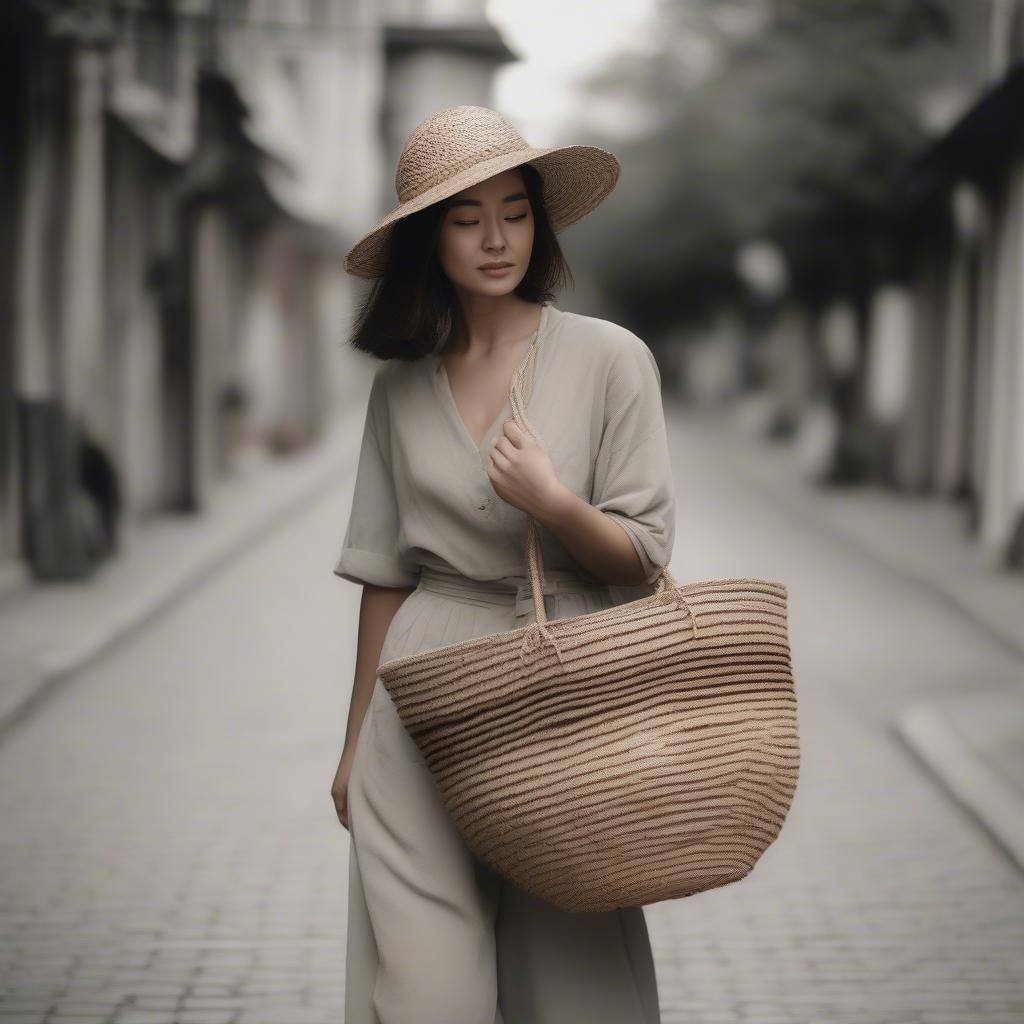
x=434 y=936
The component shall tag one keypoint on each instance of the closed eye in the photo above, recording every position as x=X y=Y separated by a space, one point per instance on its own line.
x=470 y=223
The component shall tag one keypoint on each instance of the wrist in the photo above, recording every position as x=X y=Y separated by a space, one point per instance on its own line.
x=557 y=506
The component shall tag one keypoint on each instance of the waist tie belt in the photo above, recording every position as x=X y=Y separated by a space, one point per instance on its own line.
x=506 y=590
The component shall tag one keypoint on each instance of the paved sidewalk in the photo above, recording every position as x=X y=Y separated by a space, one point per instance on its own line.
x=175 y=858
x=973 y=741
x=50 y=630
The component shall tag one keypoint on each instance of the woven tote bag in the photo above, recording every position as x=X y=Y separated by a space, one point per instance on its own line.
x=639 y=753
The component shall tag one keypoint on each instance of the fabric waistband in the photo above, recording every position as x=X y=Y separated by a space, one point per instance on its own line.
x=505 y=589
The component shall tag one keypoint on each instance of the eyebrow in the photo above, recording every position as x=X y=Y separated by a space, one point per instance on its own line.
x=476 y=202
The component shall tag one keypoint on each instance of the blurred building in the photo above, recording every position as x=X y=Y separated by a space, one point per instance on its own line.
x=916 y=372
x=187 y=177
x=437 y=54
x=954 y=333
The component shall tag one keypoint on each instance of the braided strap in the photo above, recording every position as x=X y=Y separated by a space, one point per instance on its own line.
x=539 y=632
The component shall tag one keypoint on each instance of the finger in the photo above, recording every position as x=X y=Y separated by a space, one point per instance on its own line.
x=514 y=432
x=499 y=458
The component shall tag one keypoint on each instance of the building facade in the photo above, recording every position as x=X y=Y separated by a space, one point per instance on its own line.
x=187 y=177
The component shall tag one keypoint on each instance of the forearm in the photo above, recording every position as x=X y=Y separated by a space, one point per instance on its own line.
x=593 y=539
x=376 y=610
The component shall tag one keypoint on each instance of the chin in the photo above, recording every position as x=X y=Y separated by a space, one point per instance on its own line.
x=495 y=287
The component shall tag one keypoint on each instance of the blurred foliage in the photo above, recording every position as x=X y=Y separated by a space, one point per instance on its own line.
x=789 y=120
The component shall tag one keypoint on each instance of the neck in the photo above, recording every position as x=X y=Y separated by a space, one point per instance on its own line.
x=489 y=323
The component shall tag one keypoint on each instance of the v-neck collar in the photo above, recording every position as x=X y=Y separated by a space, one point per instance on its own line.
x=447 y=398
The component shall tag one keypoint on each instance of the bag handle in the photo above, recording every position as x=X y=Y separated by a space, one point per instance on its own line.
x=520 y=388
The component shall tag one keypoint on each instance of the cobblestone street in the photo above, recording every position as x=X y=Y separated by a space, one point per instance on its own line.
x=171 y=852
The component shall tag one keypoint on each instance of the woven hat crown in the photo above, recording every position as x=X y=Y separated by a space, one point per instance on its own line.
x=449 y=142
x=462 y=145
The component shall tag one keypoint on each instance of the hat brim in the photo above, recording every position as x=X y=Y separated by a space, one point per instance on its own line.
x=576 y=179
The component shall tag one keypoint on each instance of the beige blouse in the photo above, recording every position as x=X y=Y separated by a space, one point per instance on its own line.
x=422 y=496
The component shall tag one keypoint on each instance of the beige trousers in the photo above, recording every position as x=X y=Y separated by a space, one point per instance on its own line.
x=434 y=936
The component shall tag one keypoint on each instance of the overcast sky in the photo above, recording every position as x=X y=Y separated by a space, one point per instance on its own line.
x=559 y=42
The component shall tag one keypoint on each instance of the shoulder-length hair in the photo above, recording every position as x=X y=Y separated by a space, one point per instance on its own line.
x=411 y=310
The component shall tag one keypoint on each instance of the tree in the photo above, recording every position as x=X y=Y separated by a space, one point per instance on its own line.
x=781 y=119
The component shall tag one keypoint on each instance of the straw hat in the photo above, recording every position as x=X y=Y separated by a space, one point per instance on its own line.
x=460 y=146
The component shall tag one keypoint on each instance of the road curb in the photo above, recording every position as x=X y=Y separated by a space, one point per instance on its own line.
x=967 y=741
x=967 y=777
x=776 y=475
x=216 y=541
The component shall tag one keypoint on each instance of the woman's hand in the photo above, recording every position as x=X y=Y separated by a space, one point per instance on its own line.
x=522 y=473
x=339 y=788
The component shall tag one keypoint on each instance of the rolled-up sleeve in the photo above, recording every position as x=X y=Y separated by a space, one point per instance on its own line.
x=369 y=552
x=633 y=472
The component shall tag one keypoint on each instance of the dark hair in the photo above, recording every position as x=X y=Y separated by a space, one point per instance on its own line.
x=411 y=310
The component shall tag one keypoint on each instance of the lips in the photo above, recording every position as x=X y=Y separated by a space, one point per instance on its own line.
x=495 y=266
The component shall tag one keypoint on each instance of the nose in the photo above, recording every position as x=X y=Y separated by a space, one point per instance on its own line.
x=495 y=237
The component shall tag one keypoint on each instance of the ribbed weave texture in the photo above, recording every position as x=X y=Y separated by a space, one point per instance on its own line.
x=639 y=753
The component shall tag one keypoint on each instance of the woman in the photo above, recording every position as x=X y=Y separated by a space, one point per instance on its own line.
x=444 y=485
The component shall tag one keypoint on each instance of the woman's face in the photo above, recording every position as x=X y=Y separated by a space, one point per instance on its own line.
x=491 y=222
